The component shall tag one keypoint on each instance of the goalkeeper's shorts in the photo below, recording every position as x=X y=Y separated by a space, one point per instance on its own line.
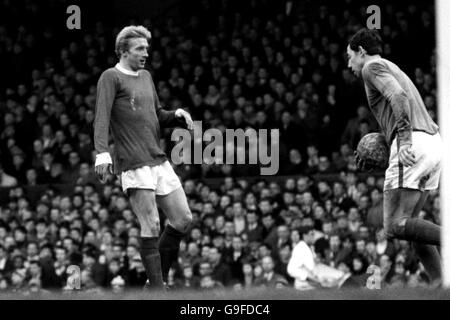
x=424 y=174
x=161 y=179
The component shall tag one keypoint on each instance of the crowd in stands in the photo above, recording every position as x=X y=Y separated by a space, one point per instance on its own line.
x=241 y=231
x=230 y=66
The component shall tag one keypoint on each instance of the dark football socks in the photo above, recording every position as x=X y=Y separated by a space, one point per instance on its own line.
x=151 y=261
x=430 y=258
x=169 y=245
x=423 y=231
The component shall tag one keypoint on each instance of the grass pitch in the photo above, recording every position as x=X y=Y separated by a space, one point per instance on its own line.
x=233 y=295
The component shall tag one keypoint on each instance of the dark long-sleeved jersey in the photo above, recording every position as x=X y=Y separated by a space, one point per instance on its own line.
x=129 y=106
x=395 y=101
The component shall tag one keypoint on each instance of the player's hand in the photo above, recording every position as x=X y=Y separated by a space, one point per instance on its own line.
x=359 y=162
x=180 y=113
x=363 y=165
x=406 y=156
x=102 y=171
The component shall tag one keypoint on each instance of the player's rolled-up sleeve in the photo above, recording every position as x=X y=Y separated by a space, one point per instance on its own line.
x=377 y=75
x=166 y=118
x=106 y=91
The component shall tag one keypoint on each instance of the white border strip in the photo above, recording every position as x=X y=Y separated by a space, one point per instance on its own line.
x=443 y=77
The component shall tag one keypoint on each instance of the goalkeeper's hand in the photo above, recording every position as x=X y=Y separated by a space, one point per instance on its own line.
x=364 y=164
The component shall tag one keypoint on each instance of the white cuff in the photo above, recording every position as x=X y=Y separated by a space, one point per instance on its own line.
x=177 y=112
x=103 y=158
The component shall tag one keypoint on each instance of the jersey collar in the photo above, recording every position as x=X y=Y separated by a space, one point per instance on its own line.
x=128 y=72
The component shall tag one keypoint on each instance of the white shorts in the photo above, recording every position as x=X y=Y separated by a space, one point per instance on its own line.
x=161 y=178
x=424 y=174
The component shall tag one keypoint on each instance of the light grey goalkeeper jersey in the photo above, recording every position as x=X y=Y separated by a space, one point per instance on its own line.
x=395 y=101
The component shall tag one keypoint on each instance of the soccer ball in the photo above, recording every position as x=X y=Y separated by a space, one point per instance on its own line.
x=374 y=150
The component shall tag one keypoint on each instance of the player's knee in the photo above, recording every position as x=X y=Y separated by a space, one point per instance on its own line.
x=395 y=229
x=151 y=227
x=183 y=221
x=155 y=227
x=388 y=233
x=188 y=218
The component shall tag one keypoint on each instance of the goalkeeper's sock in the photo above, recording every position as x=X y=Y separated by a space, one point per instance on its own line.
x=151 y=261
x=422 y=231
x=430 y=258
x=169 y=246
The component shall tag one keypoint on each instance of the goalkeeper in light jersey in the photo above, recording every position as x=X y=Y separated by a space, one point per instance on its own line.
x=415 y=147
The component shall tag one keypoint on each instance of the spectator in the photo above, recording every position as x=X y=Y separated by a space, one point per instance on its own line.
x=399 y=278
x=301 y=264
x=254 y=231
x=295 y=164
x=375 y=212
x=114 y=272
x=189 y=280
x=6 y=265
x=359 y=272
x=282 y=238
x=5 y=179
x=4 y=285
x=220 y=270
x=282 y=264
x=18 y=281
x=239 y=218
x=268 y=223
x=96 y=273
x=60 y=265
x=269 y=278
x=235 y=259
x=247 y=271
x=208 y=282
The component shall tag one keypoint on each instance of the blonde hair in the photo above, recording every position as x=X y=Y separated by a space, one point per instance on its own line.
x=127 y=33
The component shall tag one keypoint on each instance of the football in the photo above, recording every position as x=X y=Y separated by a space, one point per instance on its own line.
x=374 y=150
